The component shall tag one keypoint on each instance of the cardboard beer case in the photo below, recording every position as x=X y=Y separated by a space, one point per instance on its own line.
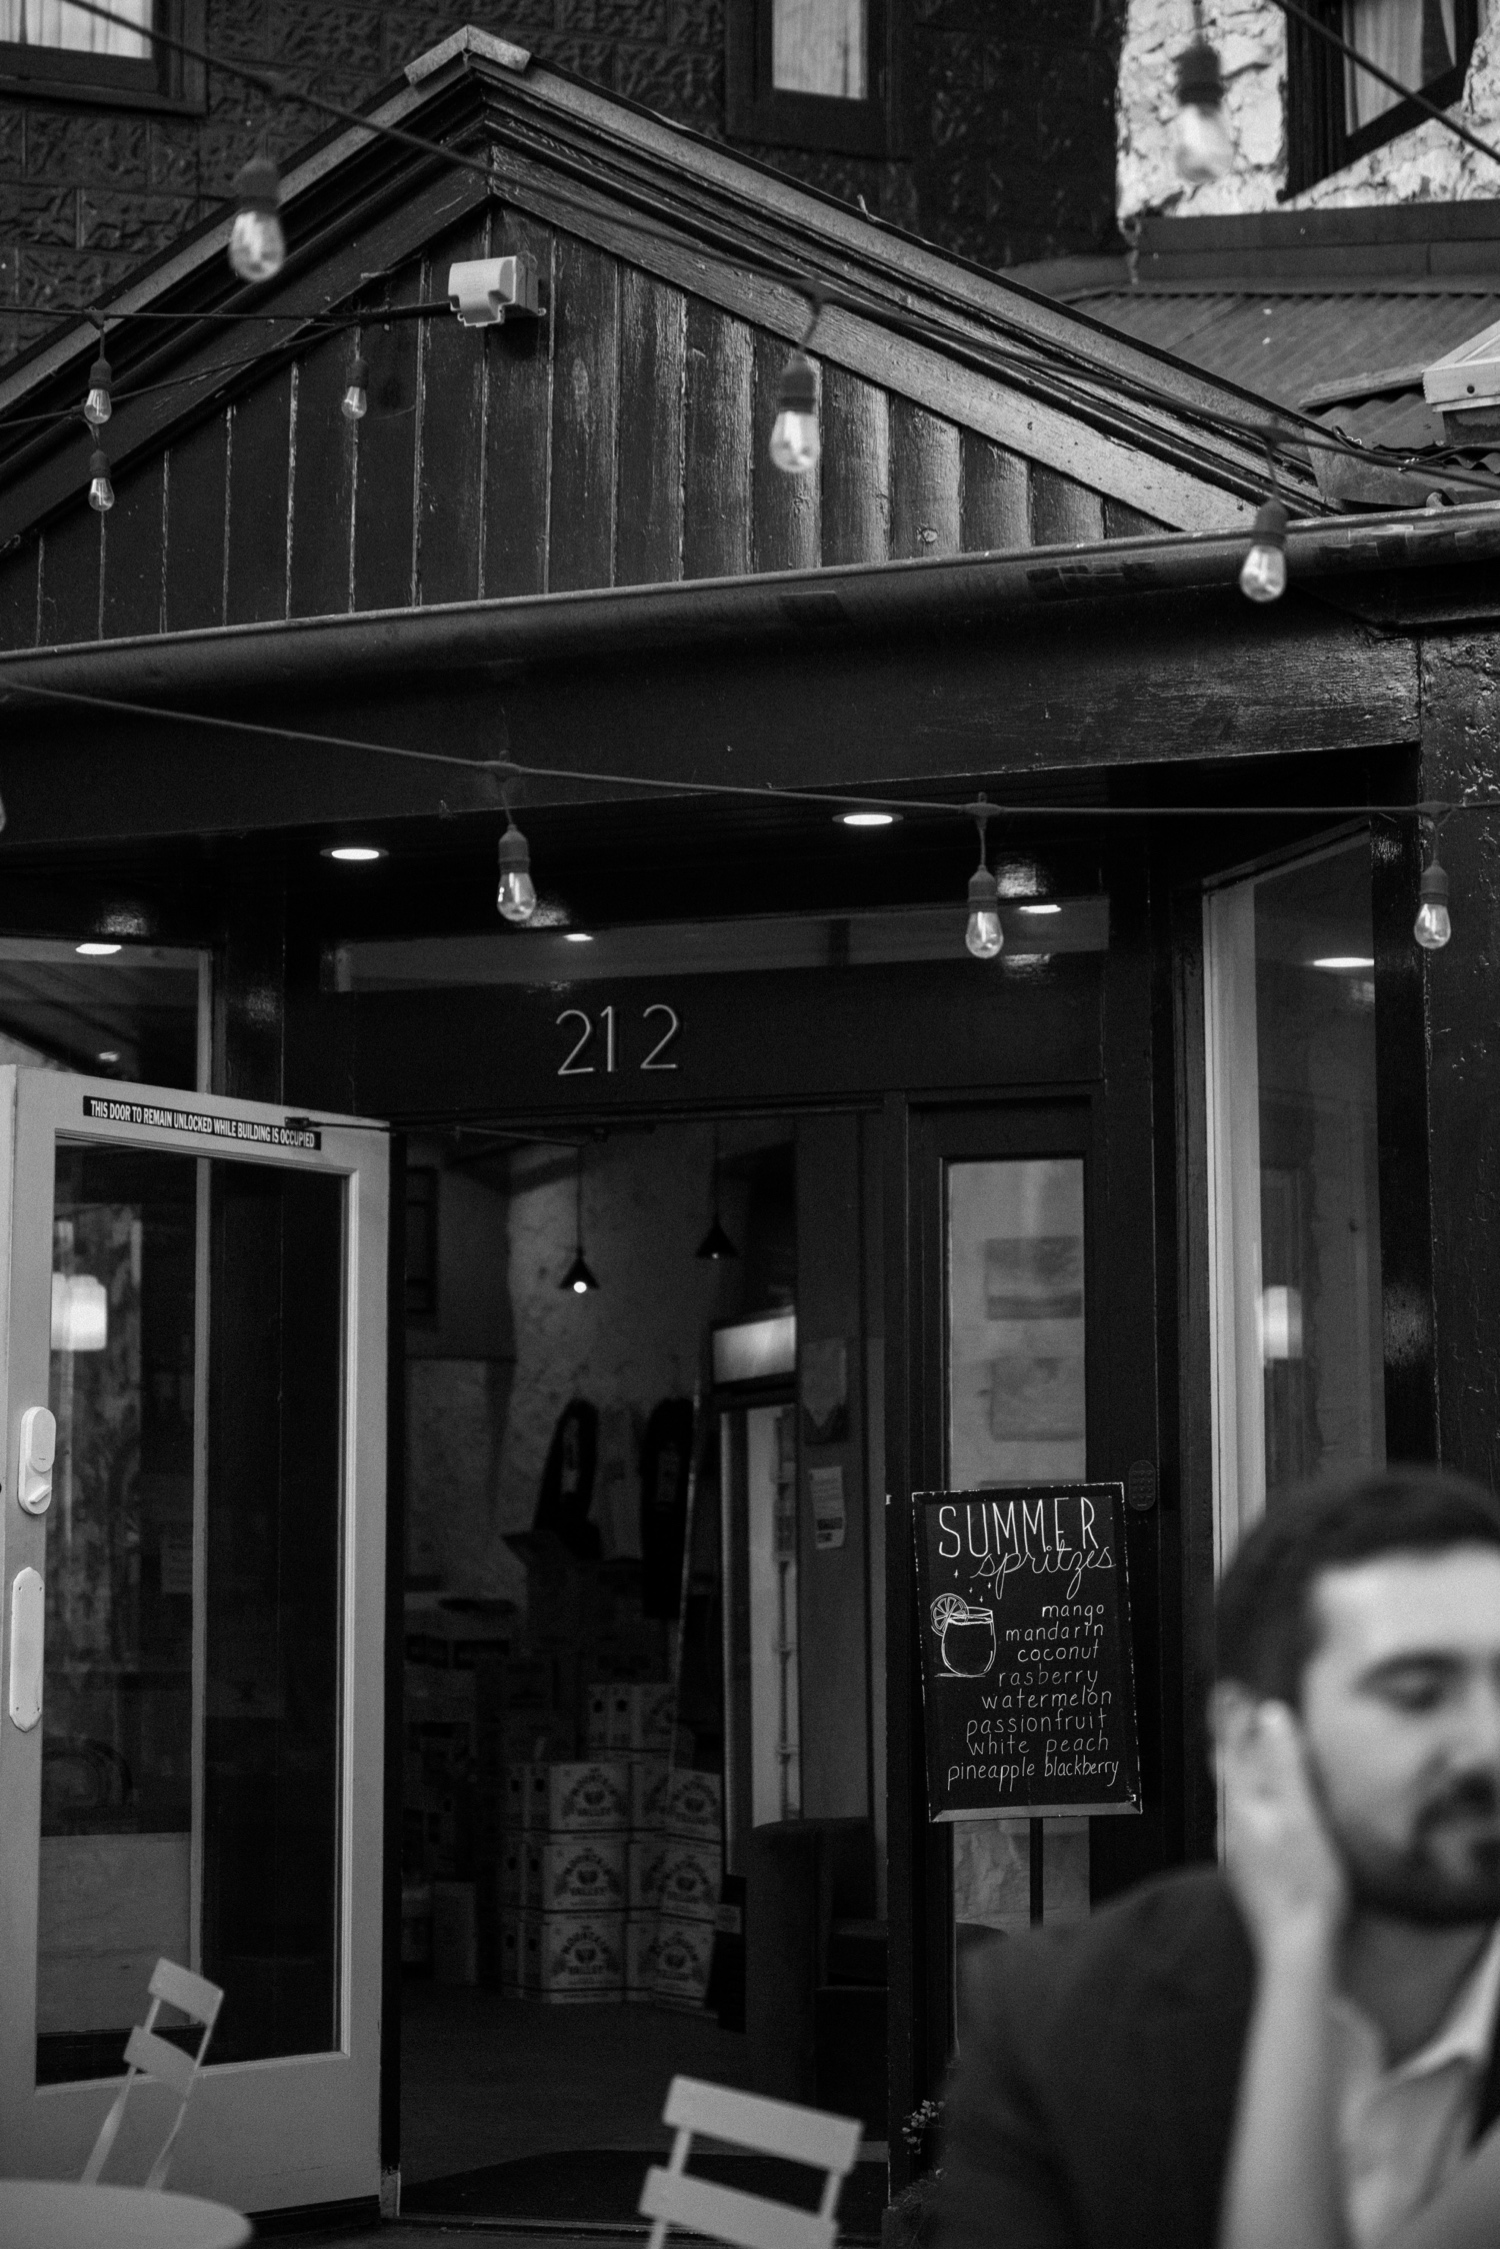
x=574 y=1957
x=575 y=1873
x=641 y=1939
x=695 y=1807
x=588 y=1797
x=649 y=1777
x=679 y=1970
x=690 y=1877
x=644 y=1859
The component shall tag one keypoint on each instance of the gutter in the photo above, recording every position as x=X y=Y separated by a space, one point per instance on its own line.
x=771 y=611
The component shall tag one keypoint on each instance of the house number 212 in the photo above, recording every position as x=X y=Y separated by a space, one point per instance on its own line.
x=663 y=1023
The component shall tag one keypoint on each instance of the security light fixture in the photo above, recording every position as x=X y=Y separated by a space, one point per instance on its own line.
x=1343 y=961
x=1041 y=906
x=96 y=948
x=355 y=854
x=486 y=292
x=867 y=818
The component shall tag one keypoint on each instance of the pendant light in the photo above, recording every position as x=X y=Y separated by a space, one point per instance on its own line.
x=716 y=1245
x=796 y=443
x=1202 y=148
x=984 y=936
x=579 y=1277
x=517 y=893
x=99 y=403
x=1263 y=571
x=1433 y=927
x=257 y=245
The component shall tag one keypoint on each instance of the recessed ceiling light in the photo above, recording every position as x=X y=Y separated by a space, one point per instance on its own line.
x=96 y=950
x=1041 y=909
x=354 y=854
x=577 y=937
x=1343 y=960
x=868 y=819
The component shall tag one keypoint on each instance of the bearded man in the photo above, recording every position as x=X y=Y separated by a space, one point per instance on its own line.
x=1094 y=2102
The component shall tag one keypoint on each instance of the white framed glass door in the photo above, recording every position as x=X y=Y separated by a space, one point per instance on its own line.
x=194 y=1290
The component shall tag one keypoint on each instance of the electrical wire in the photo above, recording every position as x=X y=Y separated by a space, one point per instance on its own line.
x=1028 y=368
x=659 y=784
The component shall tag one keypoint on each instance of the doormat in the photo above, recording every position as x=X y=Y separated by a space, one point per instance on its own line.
x=601 y=2188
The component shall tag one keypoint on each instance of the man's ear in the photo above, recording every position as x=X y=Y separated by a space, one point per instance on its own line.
x=1231 y=1712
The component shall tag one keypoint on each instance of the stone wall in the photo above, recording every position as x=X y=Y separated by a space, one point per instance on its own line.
x=1005 y=125
x=1427 y=165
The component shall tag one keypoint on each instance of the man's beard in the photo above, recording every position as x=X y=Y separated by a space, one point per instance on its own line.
x=1421 y=1882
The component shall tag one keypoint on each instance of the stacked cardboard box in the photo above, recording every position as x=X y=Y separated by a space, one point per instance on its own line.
x=691 y=1875
x=564 y=1872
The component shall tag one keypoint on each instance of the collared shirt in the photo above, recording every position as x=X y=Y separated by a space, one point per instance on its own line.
x=1403 y=2131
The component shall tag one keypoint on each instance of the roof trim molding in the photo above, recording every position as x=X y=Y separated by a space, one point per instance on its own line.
x=468 y=40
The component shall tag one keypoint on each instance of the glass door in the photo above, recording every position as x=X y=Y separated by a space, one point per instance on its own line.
x=193 y=1508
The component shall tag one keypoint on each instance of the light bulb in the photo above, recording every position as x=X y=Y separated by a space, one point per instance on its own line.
x=517 y=893
x=356 y=399
x=257 y=246
x=984 y=936
x=1433 y=926
x=1202 y=146
x=98 y=406
x=580 y=1288
x=795 y=442
x=1263 y=571
x=101 y=491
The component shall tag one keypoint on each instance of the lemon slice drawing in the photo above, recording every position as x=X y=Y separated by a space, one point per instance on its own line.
x=948 y=1608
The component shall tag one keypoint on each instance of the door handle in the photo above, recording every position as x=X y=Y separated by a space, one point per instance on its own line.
x=26 y=1615
x=38 y=1451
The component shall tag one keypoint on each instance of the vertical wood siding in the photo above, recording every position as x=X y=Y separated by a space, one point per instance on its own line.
x=621 y=441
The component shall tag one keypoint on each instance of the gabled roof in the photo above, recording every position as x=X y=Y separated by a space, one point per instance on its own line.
x=624 y=441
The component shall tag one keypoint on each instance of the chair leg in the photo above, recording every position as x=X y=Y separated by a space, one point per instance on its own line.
x=108 y=2131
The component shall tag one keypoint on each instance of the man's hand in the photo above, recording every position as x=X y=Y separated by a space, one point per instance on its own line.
x=1281 y=1864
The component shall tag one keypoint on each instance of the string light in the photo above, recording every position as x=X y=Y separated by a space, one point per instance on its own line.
x=1263 y=571
x=984 y=936
x=98 y=406
x=1433 y=926
x=517 y=894
x=580 y=1276
x=1202 y=148
x=355 y=403
x=795 y=440
x=257 y=245
x=101 y=491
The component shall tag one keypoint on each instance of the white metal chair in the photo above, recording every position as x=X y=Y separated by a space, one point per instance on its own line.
x=674 y=2197
x=148 y=2054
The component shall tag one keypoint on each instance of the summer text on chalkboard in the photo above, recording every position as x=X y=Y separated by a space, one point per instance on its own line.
x=1024 y=1624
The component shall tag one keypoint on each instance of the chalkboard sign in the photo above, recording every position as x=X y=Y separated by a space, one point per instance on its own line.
x=1024 y=1625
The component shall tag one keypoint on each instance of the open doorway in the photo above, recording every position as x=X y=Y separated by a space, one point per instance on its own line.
x=644 y=1821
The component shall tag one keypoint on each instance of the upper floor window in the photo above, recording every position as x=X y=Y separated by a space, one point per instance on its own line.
x=808 y=74
x=1337 y=111
x=51 y=47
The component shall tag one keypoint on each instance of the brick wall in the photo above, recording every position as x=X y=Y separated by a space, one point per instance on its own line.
x=1007 y=121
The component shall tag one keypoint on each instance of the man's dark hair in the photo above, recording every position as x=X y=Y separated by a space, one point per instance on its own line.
x=1266 y=1623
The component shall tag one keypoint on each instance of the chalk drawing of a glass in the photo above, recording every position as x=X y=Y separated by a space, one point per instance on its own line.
x=967 y=1637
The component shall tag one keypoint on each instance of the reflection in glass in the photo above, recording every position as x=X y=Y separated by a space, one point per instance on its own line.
x=193 y=1558
x=819 y=47
x=1016 y=1415
x=1299 y=1377
x=117 y=1699
x=1015 y=1322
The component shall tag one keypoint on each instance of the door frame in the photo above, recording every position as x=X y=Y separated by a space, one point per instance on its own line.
x=232 y=2147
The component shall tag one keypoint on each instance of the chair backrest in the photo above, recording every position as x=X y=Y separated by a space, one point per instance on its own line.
x=674 y=2197
x=148 y=2054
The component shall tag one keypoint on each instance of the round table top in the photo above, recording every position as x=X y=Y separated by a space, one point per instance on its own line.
x=60 y=2214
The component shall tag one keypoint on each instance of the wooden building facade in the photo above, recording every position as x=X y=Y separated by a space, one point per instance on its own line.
x=560 y=542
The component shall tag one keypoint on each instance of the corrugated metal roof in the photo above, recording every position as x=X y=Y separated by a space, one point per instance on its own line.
x=1285 y=344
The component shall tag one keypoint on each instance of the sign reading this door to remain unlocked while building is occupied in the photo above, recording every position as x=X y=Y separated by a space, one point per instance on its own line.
x=1024 y=1625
